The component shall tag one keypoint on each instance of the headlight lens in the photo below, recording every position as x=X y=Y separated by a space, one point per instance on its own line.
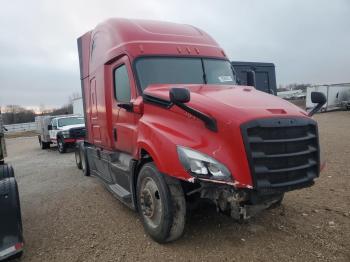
x=201 y=165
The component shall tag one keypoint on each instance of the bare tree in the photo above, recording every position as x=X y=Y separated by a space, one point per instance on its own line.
x=13 y=114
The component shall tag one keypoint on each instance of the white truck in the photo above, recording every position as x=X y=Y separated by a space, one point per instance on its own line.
x=63 y=131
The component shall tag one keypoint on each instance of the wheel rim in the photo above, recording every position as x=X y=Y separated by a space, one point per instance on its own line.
x=150 y=202
x=60 y=146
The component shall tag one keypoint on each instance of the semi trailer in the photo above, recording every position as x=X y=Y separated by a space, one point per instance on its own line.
x=167 y=125
x=11 y=232
x=265 y=75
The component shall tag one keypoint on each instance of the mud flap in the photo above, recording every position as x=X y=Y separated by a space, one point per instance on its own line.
x=11 y=233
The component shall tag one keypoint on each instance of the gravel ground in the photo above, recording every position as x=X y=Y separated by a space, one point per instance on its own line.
x=69 y=217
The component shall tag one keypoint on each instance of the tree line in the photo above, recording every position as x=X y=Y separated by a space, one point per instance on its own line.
x=15 y=114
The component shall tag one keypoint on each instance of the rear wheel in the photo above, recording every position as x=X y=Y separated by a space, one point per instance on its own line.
x=84 y=161
x=78 y=158
x=161 y=204
x=43 y=145
x=61 y=145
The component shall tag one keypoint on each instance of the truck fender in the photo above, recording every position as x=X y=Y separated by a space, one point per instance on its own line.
x=152 y=153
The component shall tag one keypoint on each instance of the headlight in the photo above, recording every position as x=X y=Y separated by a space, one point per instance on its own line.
x=201 y=165
x=65 y=133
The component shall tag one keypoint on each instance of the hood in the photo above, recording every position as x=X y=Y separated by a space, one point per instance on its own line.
x=237 y=103
x=71 y=126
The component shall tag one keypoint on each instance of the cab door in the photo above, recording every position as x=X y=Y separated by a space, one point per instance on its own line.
x=124 y=120
x=54 y=130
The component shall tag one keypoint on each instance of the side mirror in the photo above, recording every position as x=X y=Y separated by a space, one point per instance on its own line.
x=49 y=127
x=179 y=95
x=251 y=78
x=319 y=99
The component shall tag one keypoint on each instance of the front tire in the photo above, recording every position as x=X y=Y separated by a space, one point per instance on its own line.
x=161 y=204
x=61 y=145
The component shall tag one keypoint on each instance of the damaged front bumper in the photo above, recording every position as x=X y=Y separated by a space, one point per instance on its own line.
x=240 y=204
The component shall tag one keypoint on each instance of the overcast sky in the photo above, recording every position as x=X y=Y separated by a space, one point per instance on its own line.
x=309 y=41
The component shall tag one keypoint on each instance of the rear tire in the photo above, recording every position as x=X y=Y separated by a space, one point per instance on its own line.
x=78 y=158
x=43 y=145
x=61 y=146
x=84 y=161
x=161 y=204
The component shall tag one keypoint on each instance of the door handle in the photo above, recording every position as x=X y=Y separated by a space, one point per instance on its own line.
x=115 y=134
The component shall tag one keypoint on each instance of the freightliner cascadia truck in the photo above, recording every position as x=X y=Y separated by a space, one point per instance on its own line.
x=167 y=126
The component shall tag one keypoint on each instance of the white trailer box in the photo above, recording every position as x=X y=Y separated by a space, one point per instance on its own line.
x=43 y=123
x=78 y=108
x=338 y=96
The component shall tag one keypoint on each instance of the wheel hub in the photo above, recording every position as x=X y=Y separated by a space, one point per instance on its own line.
x=150 y=202
x=147 y=203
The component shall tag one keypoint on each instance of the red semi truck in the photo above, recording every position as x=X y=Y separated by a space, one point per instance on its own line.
x=167 y=125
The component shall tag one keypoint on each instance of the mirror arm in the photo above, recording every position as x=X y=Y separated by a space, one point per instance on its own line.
x=209 y=122
x=316 y=109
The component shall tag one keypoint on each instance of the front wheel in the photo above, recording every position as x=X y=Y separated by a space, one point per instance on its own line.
x=161 y=204
x=61 y=145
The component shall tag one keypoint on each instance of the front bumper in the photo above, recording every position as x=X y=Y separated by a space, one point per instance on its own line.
x=241 y=204
x=72 y=140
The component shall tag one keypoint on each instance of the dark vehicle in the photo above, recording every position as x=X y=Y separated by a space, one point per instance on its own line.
x=265 y=76
x=11 y=233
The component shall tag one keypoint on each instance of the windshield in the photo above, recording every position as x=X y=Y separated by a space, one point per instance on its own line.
x=70 y=121
x=176 y=70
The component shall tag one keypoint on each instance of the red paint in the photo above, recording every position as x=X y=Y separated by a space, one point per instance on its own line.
x=70 y=140
x=19 y=245
x=159 y=130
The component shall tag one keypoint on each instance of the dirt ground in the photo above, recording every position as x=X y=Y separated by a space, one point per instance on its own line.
x=69 y=217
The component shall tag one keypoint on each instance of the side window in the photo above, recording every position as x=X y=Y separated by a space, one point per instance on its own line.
x=122 y=84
